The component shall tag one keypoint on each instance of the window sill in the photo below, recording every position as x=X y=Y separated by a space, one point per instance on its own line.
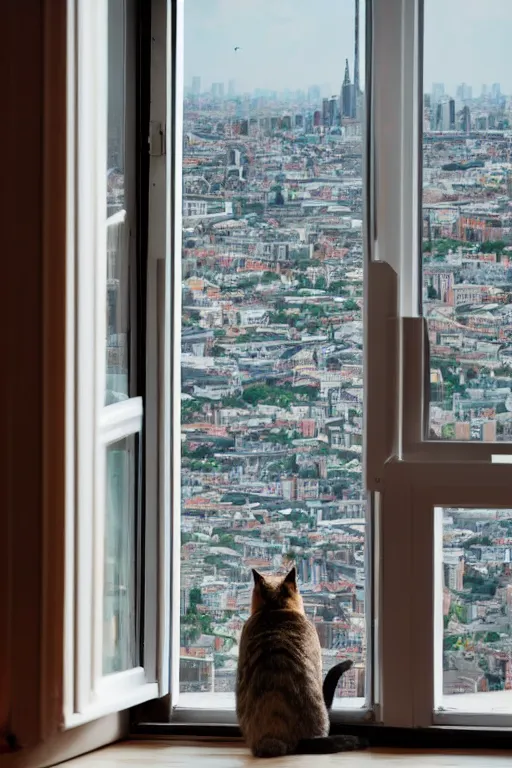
x=219 y=709
x=71 y=743
x=485 y=709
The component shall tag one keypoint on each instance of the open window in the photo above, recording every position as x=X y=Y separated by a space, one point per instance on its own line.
x=270 y=258
x=287 y=340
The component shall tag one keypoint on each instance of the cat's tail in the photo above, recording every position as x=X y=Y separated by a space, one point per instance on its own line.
x=328 y=745
x=269 y=746
x=332 y=679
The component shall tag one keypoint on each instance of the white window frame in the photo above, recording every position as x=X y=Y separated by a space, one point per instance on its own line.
x=89 y=693
x=222 y=711
x=414 y=475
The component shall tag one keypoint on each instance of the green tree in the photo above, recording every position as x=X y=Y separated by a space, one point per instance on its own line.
x=269 y=277
x=195 y=598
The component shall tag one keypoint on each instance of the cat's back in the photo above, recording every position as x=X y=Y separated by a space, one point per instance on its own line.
x=279 y=681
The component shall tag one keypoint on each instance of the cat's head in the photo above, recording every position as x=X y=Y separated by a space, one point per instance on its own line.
x=276 y=593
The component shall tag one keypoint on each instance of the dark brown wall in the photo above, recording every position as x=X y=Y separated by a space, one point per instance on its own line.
x=21 y=120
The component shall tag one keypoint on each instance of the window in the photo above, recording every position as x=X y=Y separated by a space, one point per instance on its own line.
x=113 y=647
x=272 y=331
x=467 y=184
x=476 y=597
x=286 y=341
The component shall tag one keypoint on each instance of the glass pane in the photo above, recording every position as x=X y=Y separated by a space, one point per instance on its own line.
x=272 y=336
x=476 y=606
x=118 y=223
x=467 y=234
x=119 y=609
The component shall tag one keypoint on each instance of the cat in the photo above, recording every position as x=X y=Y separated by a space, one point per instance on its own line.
x=282 y=707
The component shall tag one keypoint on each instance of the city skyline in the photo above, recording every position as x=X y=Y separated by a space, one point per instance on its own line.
x=293 y=32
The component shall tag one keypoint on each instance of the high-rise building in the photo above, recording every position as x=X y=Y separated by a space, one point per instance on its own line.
x=496 y=91
x=347 y=107
x=446 y=115
x=464 y=92
x=437 y=92
x=325 y=112
x=218 y=90
x=453 y=562
x=466 y=119
x=231 y=88
x=333 y=111
x=196 y=85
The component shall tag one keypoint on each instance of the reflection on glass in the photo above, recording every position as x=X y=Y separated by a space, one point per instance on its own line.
x=272 y=362
x=477 y=600
x=467 y=234
x=119 y=626
x=117 y=362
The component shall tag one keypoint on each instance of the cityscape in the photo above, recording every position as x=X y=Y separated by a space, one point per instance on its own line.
x=272 y=362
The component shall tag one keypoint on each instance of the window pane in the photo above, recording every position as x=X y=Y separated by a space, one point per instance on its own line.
x=476 y=609
x=272 y=361
x=118 y=220
x=467 y=235
x=119 y=609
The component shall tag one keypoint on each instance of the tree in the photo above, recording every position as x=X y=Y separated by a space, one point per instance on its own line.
x=195 y=598
x=431 y=292
x=321 y=284
x=350 y=305
x=269 y=277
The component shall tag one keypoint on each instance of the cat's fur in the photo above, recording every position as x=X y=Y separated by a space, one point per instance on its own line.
x=281 y=706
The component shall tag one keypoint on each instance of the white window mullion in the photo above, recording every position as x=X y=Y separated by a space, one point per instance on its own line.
x=71 y=361
x=100 y=329
x=173 y=326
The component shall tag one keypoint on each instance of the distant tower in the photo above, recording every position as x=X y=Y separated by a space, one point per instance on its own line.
x=347 y=94
x=356 y=52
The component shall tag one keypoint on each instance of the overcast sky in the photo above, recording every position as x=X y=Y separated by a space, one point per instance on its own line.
x=297 y=43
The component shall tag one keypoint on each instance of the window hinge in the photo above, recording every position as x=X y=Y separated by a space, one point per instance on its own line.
x=156 y=139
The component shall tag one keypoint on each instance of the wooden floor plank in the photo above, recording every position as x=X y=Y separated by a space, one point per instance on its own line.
x=179 y=754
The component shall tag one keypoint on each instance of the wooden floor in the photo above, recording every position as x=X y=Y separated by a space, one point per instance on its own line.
x=178 y=754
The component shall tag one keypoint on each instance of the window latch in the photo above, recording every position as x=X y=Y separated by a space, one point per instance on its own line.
x=156 y=139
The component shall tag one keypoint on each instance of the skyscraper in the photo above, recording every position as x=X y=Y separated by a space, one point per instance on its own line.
x=333 y=111
x=196 y=85
x=325 y=112
x=446 y=115
x=437 y=92
x=347 y=94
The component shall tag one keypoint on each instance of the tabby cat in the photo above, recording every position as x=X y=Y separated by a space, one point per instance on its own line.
x=282 y=707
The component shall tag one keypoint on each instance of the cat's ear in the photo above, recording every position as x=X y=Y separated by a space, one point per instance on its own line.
x=291 y=577
x=258 y=578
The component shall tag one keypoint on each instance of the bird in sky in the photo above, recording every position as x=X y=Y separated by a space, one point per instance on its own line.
x=237 y=48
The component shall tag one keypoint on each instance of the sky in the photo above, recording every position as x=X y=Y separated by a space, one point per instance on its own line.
x=284 y=43
x=297 y=43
